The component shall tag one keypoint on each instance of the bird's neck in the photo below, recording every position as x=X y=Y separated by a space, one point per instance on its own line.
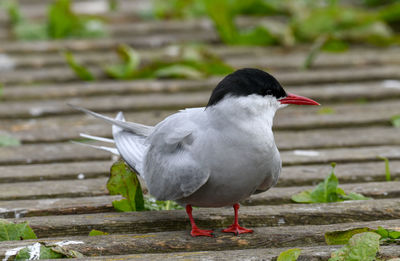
x=247 y=112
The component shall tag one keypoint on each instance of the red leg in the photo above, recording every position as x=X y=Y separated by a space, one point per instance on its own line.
x=235 y=228
x=195 y=230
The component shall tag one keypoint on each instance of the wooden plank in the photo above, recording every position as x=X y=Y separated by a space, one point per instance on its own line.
x=282 y=195
x=266 y=57
x=55 y=171
x=251 y=216
x=54 y=189
x=111 y=103
x=157 y=101
x=324 y=93
x=66 y=152
x=346 y=173
x=97 y=187
x=60 y=152
x=334 y=138
x=51 y=129
x=290 y=176
x=365 y=154
x=64 y=74
x=179 y=241
x=316 y=253
x=56 y=206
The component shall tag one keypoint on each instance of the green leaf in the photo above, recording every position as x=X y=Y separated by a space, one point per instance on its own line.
x=354 y=196
x=178 y=71
x=19 y=231
x=221 y=13
x=388 y=233
x=289 y=255
x=342 y=237
x=43 y=252
x=124 y=181
x=326 y=111
x=95 y=232
x=303 y=197
x=83 y=73
x=395 y=120
x=13 y=11
x=61 y=20
x=362 y=246
x=327 y=190
x=6 y=141
x=130 y=63
x=257 y=36
x=387 y=168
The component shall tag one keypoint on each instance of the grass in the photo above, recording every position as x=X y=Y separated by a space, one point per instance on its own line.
x=61 y=22
x=191 y=62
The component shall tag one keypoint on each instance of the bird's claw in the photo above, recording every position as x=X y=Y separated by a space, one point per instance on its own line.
x=201 y=232
x=236 y=229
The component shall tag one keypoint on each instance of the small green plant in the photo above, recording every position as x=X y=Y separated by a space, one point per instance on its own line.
x=387 y=168
x=123 y=181
x=223 y=14
x=12 y=231
x=342 y=237
x=191 y=62
x=83 y=73
x=95 y=232
x=289 y=255
x=388 y=236
x=327 y=191
x=363 y=246
x=61 y=22
x=130 y=63
x=395 y=120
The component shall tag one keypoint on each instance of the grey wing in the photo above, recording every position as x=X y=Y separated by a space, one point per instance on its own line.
x=171 y=169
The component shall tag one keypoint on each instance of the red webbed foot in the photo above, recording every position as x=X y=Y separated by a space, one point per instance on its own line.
x=201 y=232
x=236 y=229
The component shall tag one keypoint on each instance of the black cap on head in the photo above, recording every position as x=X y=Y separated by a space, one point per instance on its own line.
x=245 y=82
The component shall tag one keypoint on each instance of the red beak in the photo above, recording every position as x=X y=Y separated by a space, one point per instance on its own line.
x=296 y=99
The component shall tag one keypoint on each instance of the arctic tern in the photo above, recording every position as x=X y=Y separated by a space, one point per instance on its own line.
x=213 y=156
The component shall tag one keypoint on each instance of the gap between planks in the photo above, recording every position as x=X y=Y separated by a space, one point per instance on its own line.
x=178 y=241
x=290 y=175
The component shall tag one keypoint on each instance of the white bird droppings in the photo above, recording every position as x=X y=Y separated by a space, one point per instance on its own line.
x=35 y=111
x=66 y=243
x=34 y=251
x=11 y=252
x=6 y=63
x=308 y=153
x=391 y=84
x=81 y=176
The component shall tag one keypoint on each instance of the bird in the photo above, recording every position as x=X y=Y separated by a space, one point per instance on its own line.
x=212 y=156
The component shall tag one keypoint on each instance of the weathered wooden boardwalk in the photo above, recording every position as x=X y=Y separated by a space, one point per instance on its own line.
x=40 y=181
